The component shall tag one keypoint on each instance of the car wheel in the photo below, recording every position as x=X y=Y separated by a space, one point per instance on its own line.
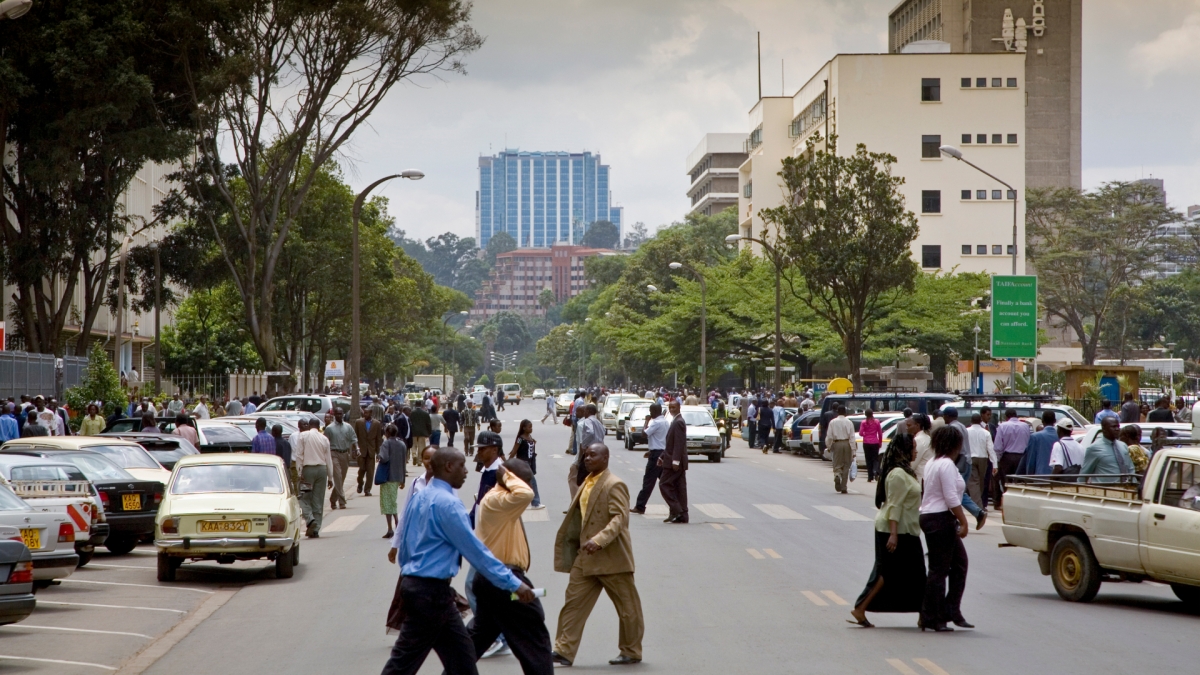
x=85 y=557
x=629 y=442
x=120 y=544
x=1190 y=595
x=714 y=457
x=283 y=566
x=167 y=566
x=295 y=554
x=1074 y=570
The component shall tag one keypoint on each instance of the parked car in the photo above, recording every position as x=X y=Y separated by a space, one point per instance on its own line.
x=127 y=424
x=165 y=448
x=228 y=507
x=129 y=503
x=60 y=488
x=294 y=416
x=1175 y=431
x=317 y=404
x=133 y=458
x=1030 y=409
x=49 y=536
x=247 y=423
x=219 y=436
x=16 y=578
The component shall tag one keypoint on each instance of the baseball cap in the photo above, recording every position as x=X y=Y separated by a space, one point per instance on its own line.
x=1065 y=423
x=488 y=439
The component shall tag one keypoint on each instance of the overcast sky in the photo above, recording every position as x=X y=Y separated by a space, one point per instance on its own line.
x=641 y=81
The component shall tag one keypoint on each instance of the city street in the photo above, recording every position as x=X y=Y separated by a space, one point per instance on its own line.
x=760 y=581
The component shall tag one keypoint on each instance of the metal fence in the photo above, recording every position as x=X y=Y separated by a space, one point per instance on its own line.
x=190 y=387
x=37 y=374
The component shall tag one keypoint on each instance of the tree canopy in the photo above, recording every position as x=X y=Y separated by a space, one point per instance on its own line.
x=601 y=234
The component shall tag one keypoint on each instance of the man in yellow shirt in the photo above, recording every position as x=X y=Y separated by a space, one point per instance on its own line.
x=501 y=530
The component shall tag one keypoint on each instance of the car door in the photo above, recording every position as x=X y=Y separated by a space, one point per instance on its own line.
x=1172 y=523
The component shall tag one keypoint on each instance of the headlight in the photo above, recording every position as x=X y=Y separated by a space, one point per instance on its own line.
x=712 y=439
x=170 y=526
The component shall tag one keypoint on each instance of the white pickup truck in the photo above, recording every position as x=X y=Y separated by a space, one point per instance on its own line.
x=1086 y=533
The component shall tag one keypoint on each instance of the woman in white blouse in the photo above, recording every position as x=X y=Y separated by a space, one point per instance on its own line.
x=945 y=526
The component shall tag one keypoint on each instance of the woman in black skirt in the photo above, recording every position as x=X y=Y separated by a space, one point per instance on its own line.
x=897 y=582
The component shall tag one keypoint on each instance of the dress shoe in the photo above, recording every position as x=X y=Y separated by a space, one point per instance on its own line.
x=623 y=660
x=981 y=520
x=360 y=489
x=962 y=623
x=559 y=659
x=640 y=512
x=679 y=521
x=366 y=494
x=670 y=519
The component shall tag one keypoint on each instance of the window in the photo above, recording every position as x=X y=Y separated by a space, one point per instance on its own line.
x=966 y=82
x=995 y=82
x=966 y=194
x=996 y=248
x=981 y=249
x=1011 y=249
x=995 y=194
x=1012 y=138
x=966 y=139
x=931 y=202
x=981 y=82
x=748 y=190
x=981 y=138
x=1012 y=194
x=931 y=89
x=981 y=194
x=966 y=249
x=1012 y=82
x=931 y=257
x=929 y=147
x=997 y=138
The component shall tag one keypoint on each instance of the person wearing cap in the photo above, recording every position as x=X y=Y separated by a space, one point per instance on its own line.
x=489 y=456
x=1036 y=460
x=1067 y=452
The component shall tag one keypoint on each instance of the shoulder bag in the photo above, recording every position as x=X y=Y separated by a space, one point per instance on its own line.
x=1069 y=468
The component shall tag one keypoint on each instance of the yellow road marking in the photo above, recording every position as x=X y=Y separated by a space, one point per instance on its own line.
x=834 y=597
x=902 y=667
x=932 y=667
x=815 y=599
x=755 y=554
x=772 y=553
x=716 y=526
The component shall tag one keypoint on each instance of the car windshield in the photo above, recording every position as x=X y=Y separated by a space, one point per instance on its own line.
x=226 y=478
x=9 y=501
x=639 y=415
x=127 y=456
x=125 y=426
x=96 y=467
x=219 y=435
x=695 y=418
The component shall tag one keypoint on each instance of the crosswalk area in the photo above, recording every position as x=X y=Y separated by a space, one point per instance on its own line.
x=774 y=511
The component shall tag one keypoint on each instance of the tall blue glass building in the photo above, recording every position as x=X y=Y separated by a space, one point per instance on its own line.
x=542 y=198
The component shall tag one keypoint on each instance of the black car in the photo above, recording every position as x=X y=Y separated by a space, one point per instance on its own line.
x=16 y=582
x=129 y=504
x=166 y=448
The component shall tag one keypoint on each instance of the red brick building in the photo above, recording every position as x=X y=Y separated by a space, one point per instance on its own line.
x=521 y=275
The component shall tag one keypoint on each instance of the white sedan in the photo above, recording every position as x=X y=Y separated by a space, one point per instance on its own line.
x=539 y=393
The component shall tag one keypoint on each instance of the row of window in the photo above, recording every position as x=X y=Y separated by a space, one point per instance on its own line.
x=931 y=254
x=982 y=82
x=982 y=249
x=931 y=87
x=931 y=200
x=983 y=194
x=997 y=139
x=931 y=143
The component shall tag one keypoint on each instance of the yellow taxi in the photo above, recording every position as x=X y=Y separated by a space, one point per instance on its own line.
x=227 y=507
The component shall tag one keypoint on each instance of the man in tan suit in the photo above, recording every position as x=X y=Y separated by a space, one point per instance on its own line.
x=370 y=436
x=594 y=547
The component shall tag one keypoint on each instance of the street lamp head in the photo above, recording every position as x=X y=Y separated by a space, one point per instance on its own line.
x=951 y=151
x=412 y=174
x=675 y=265
x=652 y=288
x=15 y=9
x=154 y=245
x=976 y=329
x=464 y=312
x=733 y=238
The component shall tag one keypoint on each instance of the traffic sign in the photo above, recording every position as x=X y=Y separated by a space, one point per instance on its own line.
x=335 y=368
x=1014 y=317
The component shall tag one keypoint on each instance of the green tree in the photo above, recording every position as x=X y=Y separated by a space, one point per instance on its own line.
x=601 y=234
x=635 y=236
x=846 y=228
x=501 y=242
x=1167 y=314
x=209 y=336
x=938 y=319
x=1090 y=247
x=100 y=382
x=559 y=351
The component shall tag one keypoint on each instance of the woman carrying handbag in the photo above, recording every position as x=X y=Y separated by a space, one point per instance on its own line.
x=389 y=476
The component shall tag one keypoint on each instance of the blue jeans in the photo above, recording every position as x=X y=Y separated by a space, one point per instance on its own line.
x=537 y=497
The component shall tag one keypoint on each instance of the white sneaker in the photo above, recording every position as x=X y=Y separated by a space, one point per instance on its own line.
x=498 y=648
x=539 y=507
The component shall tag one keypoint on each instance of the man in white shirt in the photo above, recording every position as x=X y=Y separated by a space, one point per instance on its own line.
x=840 y=438
x=175 y=406
x=656 y=440
x=314 y=461
x=201 y=409
x=983 y=457
x=1066 y=451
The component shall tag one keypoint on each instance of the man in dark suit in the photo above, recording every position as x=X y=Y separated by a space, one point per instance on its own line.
x=370 y=436
x=403 y=429
x=674 y=462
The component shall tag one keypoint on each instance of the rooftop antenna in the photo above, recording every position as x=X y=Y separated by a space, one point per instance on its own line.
x=759 y=34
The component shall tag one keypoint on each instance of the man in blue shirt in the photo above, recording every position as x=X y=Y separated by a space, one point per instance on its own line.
x=1036 y=460
x=8 y=424
x=435 y=535
x=1105 y=411
x=263 y=441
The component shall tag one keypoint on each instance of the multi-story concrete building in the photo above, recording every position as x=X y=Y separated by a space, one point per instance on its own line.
x=908 y=105
x=520 y=276
x=1050 y=36
x=713 y=169
x=542 y=198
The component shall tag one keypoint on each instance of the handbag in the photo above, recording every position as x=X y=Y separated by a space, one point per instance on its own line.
x=567 y=421
x=383 y=471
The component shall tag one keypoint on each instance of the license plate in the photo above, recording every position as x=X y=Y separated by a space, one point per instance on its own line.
x=694 y=444
x=32 y=537
x=131 y=502
x=224 y=526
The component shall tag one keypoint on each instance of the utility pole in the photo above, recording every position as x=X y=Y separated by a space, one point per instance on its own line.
x=157 y=322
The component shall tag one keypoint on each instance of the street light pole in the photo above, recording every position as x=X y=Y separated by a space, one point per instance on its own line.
x=121 y=302
x=355 y=274
x=157 y=322
x=951 y=151
x=778 y=262
x=703 y=324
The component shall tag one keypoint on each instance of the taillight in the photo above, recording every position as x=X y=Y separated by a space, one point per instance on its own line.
x=278 y=523
x=65 y=532
x=157 y=498
x=22 y=573
x=170 y=526
x=17 y=538
x=104 y=500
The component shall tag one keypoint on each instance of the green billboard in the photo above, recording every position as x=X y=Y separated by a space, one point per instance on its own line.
x=1014 y=317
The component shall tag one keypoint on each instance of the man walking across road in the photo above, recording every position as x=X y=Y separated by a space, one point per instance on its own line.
x=368 y=436
x=1012 y=437
x=656 y=440
x=434 y=538
x=840 y=439
x=342 y=441
x=593 y=545
x=551 y=410
x=422 y=428
x=674 y=462
x=470 y=422
x=314 y=465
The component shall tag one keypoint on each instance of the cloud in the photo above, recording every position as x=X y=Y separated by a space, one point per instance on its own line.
x=1176 y=48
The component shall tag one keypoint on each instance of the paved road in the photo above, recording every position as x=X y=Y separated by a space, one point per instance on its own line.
x=759 y=582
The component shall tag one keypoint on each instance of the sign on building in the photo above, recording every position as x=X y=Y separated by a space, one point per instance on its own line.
x=1014 y=317
x=335 y=368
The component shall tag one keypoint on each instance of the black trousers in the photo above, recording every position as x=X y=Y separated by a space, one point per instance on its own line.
x=751 y=435
x=947 y=559
x=764 y=433
x=1005 y=464
x=524 y=626
x=432 y=622
x=653 y=471
x=778 y=440
x=871 y=454
x=673 y=486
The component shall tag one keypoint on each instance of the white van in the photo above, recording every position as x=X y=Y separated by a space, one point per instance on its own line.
x=512 y=393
